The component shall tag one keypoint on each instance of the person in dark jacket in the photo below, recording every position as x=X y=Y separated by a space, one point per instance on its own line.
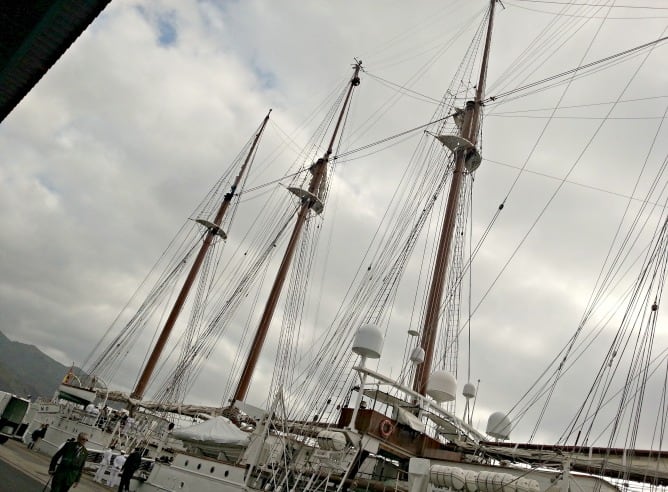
x=37 y=434
x=67 y=464
x=130 y=466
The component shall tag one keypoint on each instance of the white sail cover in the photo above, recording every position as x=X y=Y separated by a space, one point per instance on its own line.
x=407 y=418
x=217 y=430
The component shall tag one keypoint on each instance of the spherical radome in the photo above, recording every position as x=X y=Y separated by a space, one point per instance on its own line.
x=469 y=390
x=499 y=425
x=442 y=386
x=368 y=342
x=417 y=355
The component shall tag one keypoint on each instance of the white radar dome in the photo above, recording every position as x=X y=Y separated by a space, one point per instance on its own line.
x=417 y=355
x=368 y=342
x=442 y=386
x=469 y=390
x=498 y=425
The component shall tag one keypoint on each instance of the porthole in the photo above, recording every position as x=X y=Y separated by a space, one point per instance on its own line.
x=186 y=463
x=199 y=466
x=212 y=469
x=227 y=472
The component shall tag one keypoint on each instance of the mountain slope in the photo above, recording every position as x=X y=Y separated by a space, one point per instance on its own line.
x=26 y=370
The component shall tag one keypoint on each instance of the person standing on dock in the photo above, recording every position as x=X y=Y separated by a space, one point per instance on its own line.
x=130 y=466
x=105 y=464
x=37 y=434
x=67 y=464
x=118 y=463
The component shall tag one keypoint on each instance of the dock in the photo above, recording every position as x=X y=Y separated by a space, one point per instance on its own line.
x=36 y=465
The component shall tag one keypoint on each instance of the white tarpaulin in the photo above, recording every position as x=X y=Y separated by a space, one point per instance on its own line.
x=410 y=420
x=217 y=430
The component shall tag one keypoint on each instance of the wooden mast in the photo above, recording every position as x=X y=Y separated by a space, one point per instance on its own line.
x=213 y=230
x=308 y=200
x=469 y=131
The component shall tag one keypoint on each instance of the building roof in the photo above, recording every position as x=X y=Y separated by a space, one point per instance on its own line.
x=33 y=35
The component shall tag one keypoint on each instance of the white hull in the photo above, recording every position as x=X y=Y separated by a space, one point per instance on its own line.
x=197 y=474
x=194 y=474
x=64 y=425
x=66 y=422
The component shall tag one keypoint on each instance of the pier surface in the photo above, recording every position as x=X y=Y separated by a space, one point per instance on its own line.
x=36 y=466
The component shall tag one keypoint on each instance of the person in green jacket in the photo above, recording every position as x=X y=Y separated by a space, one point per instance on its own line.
x=67 y=472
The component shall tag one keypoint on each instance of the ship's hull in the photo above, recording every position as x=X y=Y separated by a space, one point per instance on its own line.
x=194 y=474
x=197 y=474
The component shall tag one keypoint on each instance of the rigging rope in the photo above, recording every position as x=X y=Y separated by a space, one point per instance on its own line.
x=579 y=68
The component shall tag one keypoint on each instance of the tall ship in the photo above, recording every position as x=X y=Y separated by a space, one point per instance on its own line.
x=384 y=394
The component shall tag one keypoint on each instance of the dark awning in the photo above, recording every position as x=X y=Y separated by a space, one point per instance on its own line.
x=33 y=35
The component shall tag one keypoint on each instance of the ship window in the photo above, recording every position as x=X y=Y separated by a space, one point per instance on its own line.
x=212 y=469
x=186 y=463
x=227 y=472
x=199 y=465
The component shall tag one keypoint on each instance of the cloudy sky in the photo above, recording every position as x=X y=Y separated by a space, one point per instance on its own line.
x=104 y=160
